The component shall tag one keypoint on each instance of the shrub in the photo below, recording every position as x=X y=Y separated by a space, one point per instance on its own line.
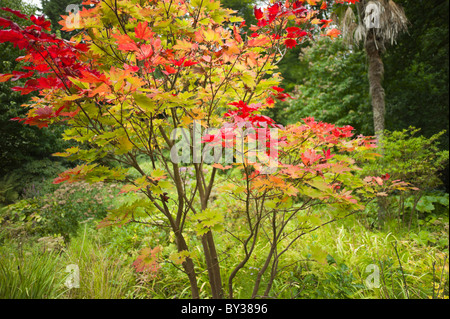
x=19 y=219
x=36 y=177
x=59 y=212
x=33 y=179
x=412 y=158
x=70 y=204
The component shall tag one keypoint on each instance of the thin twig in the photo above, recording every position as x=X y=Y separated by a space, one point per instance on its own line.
x=442 y=272
x=401 y=269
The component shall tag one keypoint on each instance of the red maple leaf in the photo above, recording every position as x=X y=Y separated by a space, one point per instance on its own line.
x=38 y=67
x=327 y=154
x=237 y=36
x=293 y=29
x=5 y=77
x=145 y=51
x=169 y=70
x=325 y=23
x=278 y=89
x=143 y=31
x=290 y=43
x=16 y=13
x=189 y=63
x=5 y=22
x=147 y=261
x=44 y=112
x=40 y=21
x=68 y=175
x=10 y=36
x=310 y=156
x=333 y=33
x=273 y=11
x=125 y=42
x=258 y=13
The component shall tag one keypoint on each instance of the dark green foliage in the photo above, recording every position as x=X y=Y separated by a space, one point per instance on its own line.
x=416 y=79
x=340 y=283
x=244 y=9
x=32 y=179
x=292 y=69
x=36 y=177
x=20 y=143
x=333 y=88
x=8 y=189
x=412 y=158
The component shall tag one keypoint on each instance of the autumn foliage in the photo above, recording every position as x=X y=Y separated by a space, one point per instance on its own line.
x=136 y=70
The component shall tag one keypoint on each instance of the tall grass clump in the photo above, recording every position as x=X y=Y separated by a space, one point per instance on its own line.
x=30 y=273
x=102 y=274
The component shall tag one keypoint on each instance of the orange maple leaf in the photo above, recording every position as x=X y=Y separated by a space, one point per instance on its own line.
x=333 y=33
x=257 y=42
x=125 y=42
x=142 y=31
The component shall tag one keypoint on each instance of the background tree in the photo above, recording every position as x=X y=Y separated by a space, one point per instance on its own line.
x=376 y=24
x=244 y=9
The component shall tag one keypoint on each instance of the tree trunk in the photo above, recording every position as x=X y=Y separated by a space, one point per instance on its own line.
x=376 y=72
x=213 y=266
x=188 y=266
x=209 y=247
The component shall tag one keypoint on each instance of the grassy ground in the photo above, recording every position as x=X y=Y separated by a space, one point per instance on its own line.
x=48 y=242
x=358 y=263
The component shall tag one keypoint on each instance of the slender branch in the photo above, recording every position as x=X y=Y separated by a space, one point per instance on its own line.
x=401 y=269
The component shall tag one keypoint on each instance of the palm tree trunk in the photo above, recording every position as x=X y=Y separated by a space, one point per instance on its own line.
x=376 y=72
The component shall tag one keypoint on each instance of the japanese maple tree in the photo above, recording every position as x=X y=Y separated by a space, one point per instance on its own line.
x=138 y=71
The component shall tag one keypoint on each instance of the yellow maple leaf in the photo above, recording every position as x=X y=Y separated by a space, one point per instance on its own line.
x=211 y=35
x=185 y=45
x=125 y=145
x=312 y=2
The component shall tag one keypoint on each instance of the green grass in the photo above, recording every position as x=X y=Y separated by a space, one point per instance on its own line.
x=102 y=275
x=349 y=243
x=105 y=273
x=334 y=261
x=30 y=273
